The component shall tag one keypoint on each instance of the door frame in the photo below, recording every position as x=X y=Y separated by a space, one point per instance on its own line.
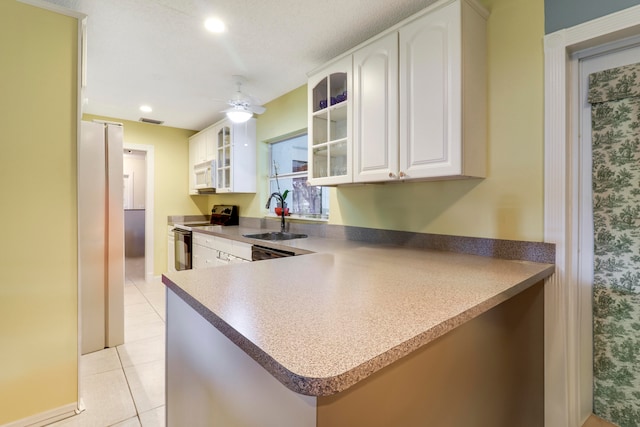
x=568 y=390
x=149 y=253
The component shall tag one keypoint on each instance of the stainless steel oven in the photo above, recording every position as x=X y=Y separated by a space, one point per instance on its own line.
x=220 y=215
x=182 y=248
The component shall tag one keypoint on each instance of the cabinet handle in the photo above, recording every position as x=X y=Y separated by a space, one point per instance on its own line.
x=392 y=175
x=402 y=175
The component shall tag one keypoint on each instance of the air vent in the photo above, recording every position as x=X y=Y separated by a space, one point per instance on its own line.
x=152 y=121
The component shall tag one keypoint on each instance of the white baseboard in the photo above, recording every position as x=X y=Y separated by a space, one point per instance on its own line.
x=47 y=417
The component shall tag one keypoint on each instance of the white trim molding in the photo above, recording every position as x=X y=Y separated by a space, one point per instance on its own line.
x=47 y=417
x=567 y=403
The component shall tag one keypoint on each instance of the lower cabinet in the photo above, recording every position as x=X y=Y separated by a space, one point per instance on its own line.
x=210 y=381
x=214 y=251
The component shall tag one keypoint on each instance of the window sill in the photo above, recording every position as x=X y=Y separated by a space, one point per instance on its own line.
x=297 y=218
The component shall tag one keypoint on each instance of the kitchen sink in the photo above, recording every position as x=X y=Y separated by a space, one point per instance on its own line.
x=275 y=235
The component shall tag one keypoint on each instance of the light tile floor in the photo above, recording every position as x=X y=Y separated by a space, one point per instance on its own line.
x=124 y=386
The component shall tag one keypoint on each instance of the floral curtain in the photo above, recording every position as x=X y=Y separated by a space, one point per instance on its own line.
x=615 y=114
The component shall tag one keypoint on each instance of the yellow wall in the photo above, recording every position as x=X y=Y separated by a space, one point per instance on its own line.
x=38 y=255
x=171 y=181
x=508 y=204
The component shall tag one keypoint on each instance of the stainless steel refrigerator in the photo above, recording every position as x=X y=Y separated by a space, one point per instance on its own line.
x=100 y=236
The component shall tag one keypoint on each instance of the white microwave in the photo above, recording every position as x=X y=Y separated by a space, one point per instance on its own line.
x=204 y=174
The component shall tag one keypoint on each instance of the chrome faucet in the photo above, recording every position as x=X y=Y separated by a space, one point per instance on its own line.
x=278 y=196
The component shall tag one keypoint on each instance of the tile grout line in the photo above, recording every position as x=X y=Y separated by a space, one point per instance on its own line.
x=149 y=302
x=135 y=283
x=130 y=393
x=135 y=405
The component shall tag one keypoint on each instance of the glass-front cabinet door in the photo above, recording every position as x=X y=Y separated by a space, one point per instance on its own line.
x=223 y=165
x=330 y=124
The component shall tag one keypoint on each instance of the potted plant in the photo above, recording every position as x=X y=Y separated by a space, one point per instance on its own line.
x=282 y=205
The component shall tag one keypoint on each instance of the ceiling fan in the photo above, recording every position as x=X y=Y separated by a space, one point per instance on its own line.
x=243 y=107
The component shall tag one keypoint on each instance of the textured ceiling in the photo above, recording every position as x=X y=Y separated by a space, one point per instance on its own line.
x=157 y=52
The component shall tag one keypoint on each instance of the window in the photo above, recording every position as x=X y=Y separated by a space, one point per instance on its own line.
x=288 y=171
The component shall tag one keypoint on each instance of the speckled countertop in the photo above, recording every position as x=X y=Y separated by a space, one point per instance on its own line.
x=348 y=309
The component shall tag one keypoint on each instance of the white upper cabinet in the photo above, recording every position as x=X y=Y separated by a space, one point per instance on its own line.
x=419 y=99
x=329 y=94
x=443 y=94
x=200 y=152
x=224 y=155
x=375 y=106
x=203 y=146
x=235 y=157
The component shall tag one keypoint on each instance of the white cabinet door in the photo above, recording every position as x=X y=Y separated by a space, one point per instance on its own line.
x=192 y=162
x=330 y=128
x=197 y=250
x=210 y=258
x=243 y=170
x=197 y=255
x=235 y=145
x=443 y=93
x=202 y=257
x=430 y=85
x=209 y=144
x=199 y=147
x=224 y=145
x=242 y=250
x=375 y=106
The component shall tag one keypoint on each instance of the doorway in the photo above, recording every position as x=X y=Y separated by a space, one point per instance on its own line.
x=568 y=356
x=143 y=174
x=608 y=207
x=134 y=171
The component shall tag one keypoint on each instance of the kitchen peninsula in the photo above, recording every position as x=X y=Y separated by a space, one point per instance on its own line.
x=356 y=334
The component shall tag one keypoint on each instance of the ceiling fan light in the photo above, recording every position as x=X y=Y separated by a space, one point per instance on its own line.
x=239 y=116
x=215 y=25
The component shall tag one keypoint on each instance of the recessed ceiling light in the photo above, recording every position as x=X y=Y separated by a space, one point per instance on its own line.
x=146 y=109
x=214 y=25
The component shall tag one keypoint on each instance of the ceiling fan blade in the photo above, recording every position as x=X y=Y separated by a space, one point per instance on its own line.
x=242 y=101
x=258 y=109
x=236 y=109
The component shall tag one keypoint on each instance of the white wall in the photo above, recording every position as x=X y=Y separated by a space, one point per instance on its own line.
x=134 y=166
